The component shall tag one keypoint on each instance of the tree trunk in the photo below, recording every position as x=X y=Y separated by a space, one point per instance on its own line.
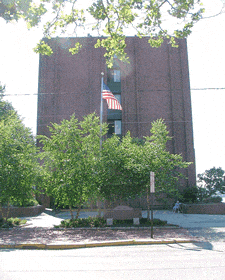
x=7 y=211
x=1 y=212
x=71 y=212
x=99 y=207
x=79 y=208
x=78 y=212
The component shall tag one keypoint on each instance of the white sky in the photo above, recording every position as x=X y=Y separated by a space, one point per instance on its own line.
x=206 y=51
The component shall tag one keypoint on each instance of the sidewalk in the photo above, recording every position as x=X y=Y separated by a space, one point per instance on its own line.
x=183 y=220
x=39 y=232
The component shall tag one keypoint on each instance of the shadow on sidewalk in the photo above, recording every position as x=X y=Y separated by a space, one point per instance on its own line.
x=51 y=236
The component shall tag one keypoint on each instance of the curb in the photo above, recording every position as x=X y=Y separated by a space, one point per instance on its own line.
x=116 y=228
x=90 y=245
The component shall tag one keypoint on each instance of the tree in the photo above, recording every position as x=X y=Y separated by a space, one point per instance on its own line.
x=19 y=167
x=126 y=165
x=6 y=108
x=2 y=90
x=13 y=10
x=118 y=180
x=70 y=156
x=114 y=19
x=167 y=166
x=212 y=181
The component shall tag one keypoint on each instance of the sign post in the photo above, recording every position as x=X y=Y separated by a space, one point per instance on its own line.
x=152 y=191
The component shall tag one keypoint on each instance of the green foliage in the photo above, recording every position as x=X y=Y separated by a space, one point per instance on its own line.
x=143 y=222
x=190 y=195
x=91 y=222
x=138 y=141
x=125 y=165
x=34 y=14
x=14 y=9
x=2 y=90
x=43 y=48
x=19 y=167
x=6 y=109
x=26 y=202
x=157 y=158
x=213 y=199
x=111 y=19
x=77 y=171
x=11 y=222
x=211 y=182
x=76 y=49
x=116 y=179
x=203 y=196
x=83 y=222
x=70 y=157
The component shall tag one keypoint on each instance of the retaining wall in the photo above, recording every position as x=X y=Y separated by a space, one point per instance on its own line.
x=209 y=208
x=23 y=211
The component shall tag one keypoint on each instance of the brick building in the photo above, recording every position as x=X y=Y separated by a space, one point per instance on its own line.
x=155 y=84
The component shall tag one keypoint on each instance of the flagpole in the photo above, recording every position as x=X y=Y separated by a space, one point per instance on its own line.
x=101 y=114
x=101 y=111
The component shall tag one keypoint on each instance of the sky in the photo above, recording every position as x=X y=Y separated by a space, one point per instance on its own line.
x=206 y=52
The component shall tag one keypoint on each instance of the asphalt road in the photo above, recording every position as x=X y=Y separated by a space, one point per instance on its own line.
x=176 y=261
x=204 y=260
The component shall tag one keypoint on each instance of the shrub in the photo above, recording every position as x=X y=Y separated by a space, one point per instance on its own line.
x=83 y=222
x=190 y=195
x=156 y=222
x=101 y=222
x=11 y=222
x=213 y=199
x=143 y=222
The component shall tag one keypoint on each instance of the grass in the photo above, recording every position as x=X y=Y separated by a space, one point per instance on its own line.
x=11 y=222
x=91 y=222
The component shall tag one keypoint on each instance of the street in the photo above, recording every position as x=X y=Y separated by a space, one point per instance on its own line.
x=173 y=261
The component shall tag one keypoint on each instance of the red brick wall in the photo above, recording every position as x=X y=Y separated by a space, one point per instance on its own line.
x=214 y=208
x=155 y=84
x=23 y=211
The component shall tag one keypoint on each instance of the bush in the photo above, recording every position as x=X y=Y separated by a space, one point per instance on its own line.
x=143 y=222
x=83 y=222
x=204 y=197
x=190 y=195
x=213 y=199
x=11 y=222
x=6 y=223
x=101 y=222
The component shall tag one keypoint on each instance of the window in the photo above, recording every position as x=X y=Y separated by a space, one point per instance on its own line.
x=110 y=129
x=114 y=127
x=118 y=127
x=118 y=97
x=116 y=75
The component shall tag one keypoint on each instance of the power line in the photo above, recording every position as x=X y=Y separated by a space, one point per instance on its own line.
x=62 y=93
x=208 y=88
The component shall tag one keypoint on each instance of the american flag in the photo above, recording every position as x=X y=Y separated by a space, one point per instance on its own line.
x=112 y=102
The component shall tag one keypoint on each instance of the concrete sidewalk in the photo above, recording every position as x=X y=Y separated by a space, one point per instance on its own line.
x=189 y=220
x=45 y=220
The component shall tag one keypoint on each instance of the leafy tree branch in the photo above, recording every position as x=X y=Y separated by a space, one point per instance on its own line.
x=112 y=19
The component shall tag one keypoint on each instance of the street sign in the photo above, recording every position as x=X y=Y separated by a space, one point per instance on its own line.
x=152 y=182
